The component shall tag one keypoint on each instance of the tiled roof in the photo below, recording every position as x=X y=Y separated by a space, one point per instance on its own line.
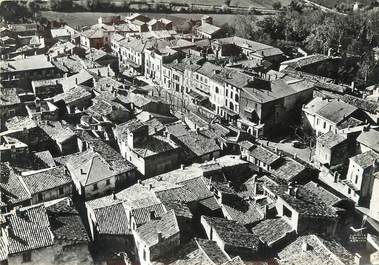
x=331 y=139
x=138 y=196
x=327 y=197
x=46 y=158
x=241 y=211
x=167 y=225
x=212 y=251
x=9 y=97
x=65 y=222
x=73 y=95
x=12 y=189
x=254 y=46
x=305 y=202
x=3 y=248
x=188 y=254
x=366 y=105
x=56 y=131
x=59 y=32
x=131 y=126
x=90 y=167
x=48 y=179
x=28 y=64
x=20 y=122
x=143 y=214
x=370 y=139
x=29 y=229
x=154 y=145
x=272 y=230
x=336 y=111
x=366 y=159
x=69 y=64
x=234 y=261
x=320 y=252
x=107 y=84
x=75 y=80
x=113 y=158
x=288 y=169
x=103 y=107
x=177 y=129
x=300 y=62
x=265 y=155
x=154 y=126
x=199 y=144
x=208 y=28
x=232 y=233
x=179 y=207
x=112 y=219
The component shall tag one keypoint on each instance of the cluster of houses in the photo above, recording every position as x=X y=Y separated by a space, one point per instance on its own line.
x=130 y=143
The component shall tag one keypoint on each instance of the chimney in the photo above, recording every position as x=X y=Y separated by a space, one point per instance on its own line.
x=13 y=151
x=150 y=186
x=139 y=181
x=69 y=202
x=114 y=196
x=76 y=80
x=182 y=166
x=358 y=259
x=229 y=184
x=152 y=215
x=98 y=72
x=159 y=235
x=82 y=171
x=305 y=246
x=335 y=175
x=37 y=103
x=295 y=156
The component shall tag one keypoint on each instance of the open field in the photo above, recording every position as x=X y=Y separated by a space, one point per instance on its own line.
x=333 y=3
x=89 y=18
x=240 y=3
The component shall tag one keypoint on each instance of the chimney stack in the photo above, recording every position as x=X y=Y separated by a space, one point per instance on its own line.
x=159 y=235
x=305 y=246
x=358 y=259
x=152 y=215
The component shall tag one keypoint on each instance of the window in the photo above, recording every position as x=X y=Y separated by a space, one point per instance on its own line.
x=356 y=179
x=217 y=90
x=60 y=190
x=40 y=197
x=144 y=255
x=316 y=121
x=108 y=182
x=324 y=125
x=26 y=257
x=226 y=92
x=348 y=191
x=95 y=186
x=231 y=105
x=236 y=98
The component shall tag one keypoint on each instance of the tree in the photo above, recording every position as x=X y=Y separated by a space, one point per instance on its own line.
x=14 y=12
x=227 y=2
x=277 y=5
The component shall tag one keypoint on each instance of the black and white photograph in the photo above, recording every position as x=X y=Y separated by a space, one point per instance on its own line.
x=189 y=132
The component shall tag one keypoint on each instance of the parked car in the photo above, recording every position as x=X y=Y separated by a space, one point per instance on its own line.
x=298 y=144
